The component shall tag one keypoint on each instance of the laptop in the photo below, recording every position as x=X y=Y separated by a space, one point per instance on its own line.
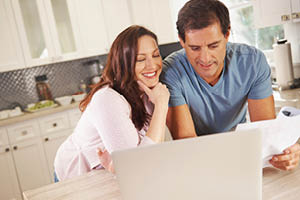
x=213 y=167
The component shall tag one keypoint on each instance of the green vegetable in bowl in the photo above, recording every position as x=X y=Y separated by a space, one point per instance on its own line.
x=41 y=104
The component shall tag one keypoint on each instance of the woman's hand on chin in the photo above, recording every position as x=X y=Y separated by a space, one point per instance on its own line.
x=158 y=95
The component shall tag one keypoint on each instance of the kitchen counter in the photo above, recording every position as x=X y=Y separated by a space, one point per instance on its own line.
x=287 y=98
x=100 y=184
x=28 y=116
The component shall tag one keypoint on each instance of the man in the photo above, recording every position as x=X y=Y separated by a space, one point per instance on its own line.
x=211 y=80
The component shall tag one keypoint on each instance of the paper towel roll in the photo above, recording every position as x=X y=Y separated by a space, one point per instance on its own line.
x=283 y=64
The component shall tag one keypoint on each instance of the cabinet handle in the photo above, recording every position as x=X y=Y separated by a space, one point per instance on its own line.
x=54 y=125
x=7 y=150
x=295 y=15
x=46 y=139
x=24 y=133
x=15 y=147
x=285 y=18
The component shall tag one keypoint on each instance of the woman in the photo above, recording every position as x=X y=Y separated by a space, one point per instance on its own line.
x=127 y=108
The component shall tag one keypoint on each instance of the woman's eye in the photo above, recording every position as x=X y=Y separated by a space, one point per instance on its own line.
x=140 y=59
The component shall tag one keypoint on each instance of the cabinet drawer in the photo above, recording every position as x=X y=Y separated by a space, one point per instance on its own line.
x=3 y=137
x=74 y=116
x=23 y=131
x=54 y=123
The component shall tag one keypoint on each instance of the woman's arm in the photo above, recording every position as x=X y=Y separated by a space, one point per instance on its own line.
x=159 y=96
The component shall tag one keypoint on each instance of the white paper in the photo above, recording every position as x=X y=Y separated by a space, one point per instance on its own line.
x=278 y=134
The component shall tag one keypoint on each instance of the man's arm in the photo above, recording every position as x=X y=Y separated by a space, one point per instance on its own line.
x=261 y=109
x=180 y=122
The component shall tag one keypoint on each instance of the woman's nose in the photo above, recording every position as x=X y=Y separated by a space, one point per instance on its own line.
x=149 y=62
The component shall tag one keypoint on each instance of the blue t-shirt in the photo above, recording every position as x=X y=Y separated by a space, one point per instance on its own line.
x=221 y=107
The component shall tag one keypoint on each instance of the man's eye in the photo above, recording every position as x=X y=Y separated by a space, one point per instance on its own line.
x=156 y=55
x=195 y=48
x=214 y=46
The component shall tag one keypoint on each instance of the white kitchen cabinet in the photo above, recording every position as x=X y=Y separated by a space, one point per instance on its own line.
x=116 y=16
x=74 y=116
x=28 y=154
x=155 y=16
x=28 y=149
x=48 y=30
x=10 y=49
x=31 y=164
x=271 y=13
x=54 y=123
x=8 y=182
x=91 y=23
x=51 y=145
x=55 y=129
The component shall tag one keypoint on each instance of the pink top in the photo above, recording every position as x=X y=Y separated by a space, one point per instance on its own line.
x=106 y=123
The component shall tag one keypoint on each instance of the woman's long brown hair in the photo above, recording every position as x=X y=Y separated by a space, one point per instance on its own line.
x=119 y=73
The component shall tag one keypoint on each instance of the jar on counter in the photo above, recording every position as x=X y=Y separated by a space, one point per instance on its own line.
x=43 y=88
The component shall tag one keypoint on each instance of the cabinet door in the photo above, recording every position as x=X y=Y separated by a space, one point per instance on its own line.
x=74 y=116
x=295 y=5
x=91 y=22
x=64 y=29
x=48 y=29
x=141 y=16
x=157 y=17
x=117 y=17
x=10 y=49
x=34 y=31
x=51 y=145
x=8 y=181
x=271 y=13
x=31 y=164
x=164 y=24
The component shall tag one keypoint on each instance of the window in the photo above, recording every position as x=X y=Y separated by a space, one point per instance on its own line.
x=243 y=27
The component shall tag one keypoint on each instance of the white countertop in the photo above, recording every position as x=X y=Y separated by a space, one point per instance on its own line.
x=29 y=116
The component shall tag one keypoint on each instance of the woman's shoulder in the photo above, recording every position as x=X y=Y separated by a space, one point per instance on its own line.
x=108 y=96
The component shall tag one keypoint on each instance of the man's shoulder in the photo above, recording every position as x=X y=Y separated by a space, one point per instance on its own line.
x=242 y=49
x=175 y=57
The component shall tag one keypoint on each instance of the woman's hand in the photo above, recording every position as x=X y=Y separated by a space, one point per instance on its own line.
x=105 y=160
x=159 y=95
x=289 y=160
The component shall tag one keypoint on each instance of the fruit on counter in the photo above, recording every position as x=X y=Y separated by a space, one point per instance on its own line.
x=40 y=104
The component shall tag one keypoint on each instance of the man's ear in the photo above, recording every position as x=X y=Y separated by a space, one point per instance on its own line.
x=228 y=33
x=182 y=43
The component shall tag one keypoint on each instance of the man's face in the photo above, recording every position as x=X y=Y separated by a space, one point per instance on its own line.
x=206 y=49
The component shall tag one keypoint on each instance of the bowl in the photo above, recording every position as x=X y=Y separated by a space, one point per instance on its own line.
x=65 y=100
x=4 y=114
x=78 y=97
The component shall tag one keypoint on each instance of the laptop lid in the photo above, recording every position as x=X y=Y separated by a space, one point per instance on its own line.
x=213 y=167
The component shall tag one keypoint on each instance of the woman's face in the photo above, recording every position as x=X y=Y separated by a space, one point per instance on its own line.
x=148 y=64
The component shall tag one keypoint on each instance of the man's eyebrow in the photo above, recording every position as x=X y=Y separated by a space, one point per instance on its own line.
x=213 y=43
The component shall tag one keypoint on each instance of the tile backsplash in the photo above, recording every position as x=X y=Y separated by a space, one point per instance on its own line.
x=18 y=87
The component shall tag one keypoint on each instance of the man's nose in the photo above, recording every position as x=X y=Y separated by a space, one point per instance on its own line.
x=204 y=56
